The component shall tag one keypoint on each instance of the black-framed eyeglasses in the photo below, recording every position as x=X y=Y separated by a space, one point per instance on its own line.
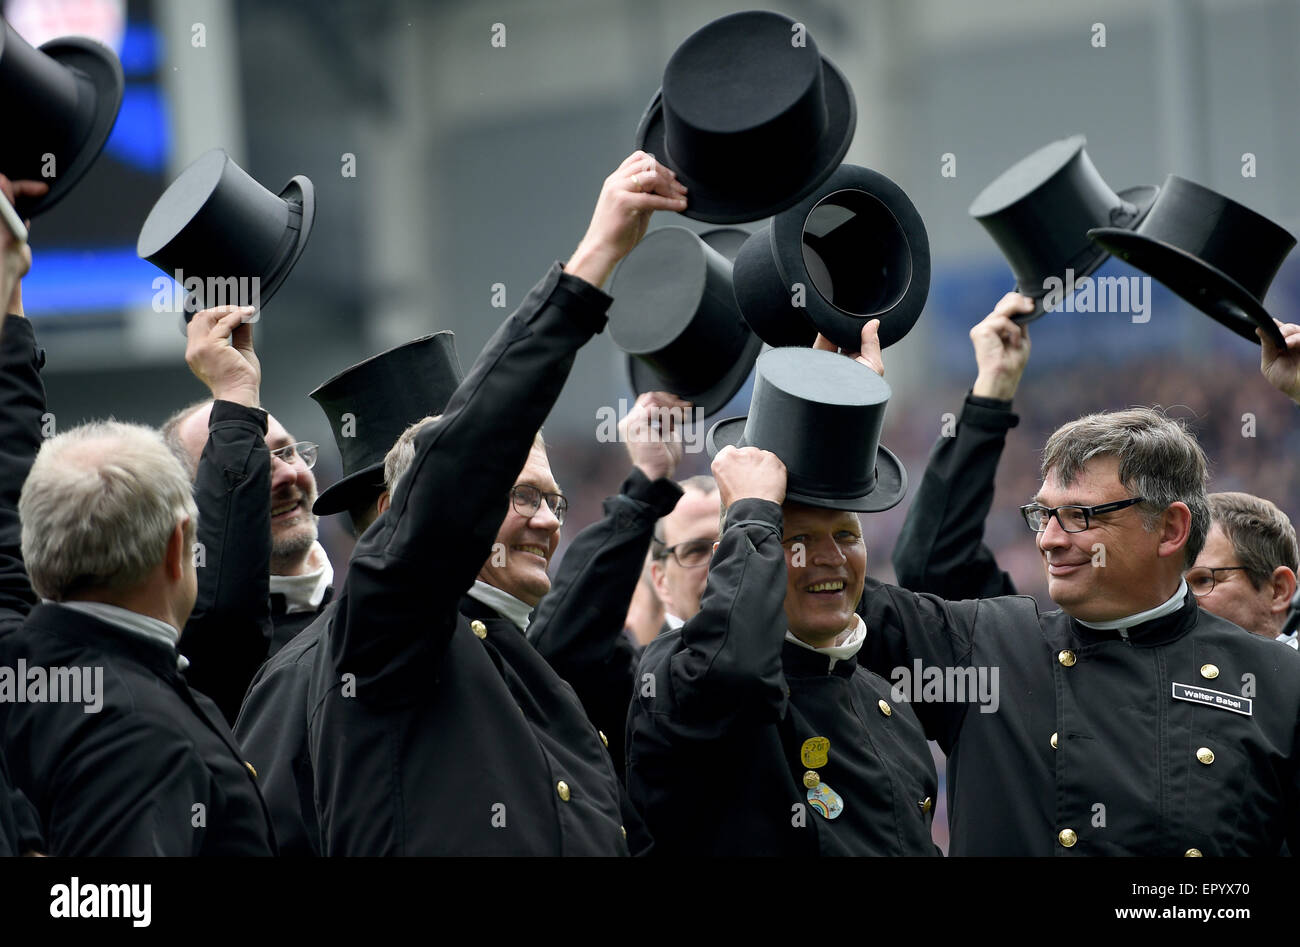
x=304 y=452
x=1073 y=519
x=1201 y=579
x=691 y=554
x=527 y=500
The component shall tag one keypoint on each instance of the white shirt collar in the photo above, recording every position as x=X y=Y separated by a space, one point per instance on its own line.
x=304 y=593
x=1172 y=605
x=837 y=652
x=155 y=629
x=673 y=621
x=503 y=603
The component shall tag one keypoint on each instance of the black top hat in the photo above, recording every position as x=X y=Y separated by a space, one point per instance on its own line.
x=821 y=413
x=750 y=121
x=1039 y=212
x=60 y=100
x=858 y=248
x=675 y=315
x=1212 y=251
x=215 y=221
x=370 y=404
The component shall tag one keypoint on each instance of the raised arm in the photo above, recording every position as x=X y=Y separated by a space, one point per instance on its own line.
x=424 y=552
x=227 y=635
x=1281 y=369
x=941 y=547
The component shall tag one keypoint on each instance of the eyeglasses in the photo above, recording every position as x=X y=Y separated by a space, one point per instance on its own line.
x=303 y=452
x=527 y=500
x=1073 y=519
x=689 y=555
x=1201 y=579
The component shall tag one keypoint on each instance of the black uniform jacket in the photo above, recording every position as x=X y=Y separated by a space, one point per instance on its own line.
x=22 y=415
x=726 y=709
x=154 y=772
x=1178 y=738
x=272 y=731
x=434 y=732
x=578 y=627
x=940 y=548
x=236 y=624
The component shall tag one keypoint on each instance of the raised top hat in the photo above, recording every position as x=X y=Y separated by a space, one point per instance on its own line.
x=750 y=116
x=675 y=315
x=1039 y=212
x=858 y=249
x=60 y=100
x=216 y=222
x=821 y=413
x=370 y=404
x=1215 y=253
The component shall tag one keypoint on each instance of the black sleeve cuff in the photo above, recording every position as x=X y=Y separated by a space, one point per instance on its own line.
x=227 y=411
x=753 y=510
x=660 y=495
x=992 y=413
x=589 y=303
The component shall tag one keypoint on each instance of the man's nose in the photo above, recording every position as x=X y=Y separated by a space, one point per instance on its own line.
x=1053 y=537
x=828 y=553
x=544 y=518
x=282 y=474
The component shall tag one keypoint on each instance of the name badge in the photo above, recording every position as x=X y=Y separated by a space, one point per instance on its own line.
x=1216 y=699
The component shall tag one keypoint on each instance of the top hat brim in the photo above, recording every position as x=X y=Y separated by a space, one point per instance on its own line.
x=715 y=397
x=1210 y=290
x=1142 y=197
x=105 y=71
x=358 y=487
x=713 y=203
x=891 y=475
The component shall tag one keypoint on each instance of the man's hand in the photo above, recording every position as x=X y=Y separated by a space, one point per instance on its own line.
x=1001 y=348
x=15 y=257
x=639 y=187
x=749 y=472
x=868 y=352
x=220 y=353
x=652 y=433
x=1282 y=369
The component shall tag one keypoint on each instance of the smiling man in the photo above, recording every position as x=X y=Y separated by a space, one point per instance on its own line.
x=683 y=544
x=755 y=731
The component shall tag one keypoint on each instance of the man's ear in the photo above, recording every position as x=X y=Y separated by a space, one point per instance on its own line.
x=1176 y=527
x=177 y=550
x=384 y=502
x=1283 y=583
x=659 y=578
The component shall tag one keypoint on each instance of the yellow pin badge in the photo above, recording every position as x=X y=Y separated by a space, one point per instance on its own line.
x=815 y=751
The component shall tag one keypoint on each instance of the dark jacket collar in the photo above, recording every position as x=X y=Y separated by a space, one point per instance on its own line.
x=1150 y=634
x=472 y=608
x=800 y=662
x=72 y=625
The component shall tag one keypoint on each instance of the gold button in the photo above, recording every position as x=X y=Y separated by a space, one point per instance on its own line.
x=479 y=629
x=623 y=830
x=811 y=780
x=250 y=768
x=1067 y=658
x=1205 y=755
x=563 y=789
x=884 y=707
x=926 y=804
x=1193 y=853
x=603 y=739
x=1209 y=671
x=1053 y=741
x=1067 y=837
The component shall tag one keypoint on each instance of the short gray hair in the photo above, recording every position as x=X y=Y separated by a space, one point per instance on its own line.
x=1261 y=534
x=98 y=507
x=701 y=483
x=171 y=434
x=1159 y=459
x=402 y=454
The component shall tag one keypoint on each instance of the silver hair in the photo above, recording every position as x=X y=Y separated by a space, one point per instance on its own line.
x=99 y=506
x=1159 y=459
x=701 y=483
x=1261 y=535
x=171 y=434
